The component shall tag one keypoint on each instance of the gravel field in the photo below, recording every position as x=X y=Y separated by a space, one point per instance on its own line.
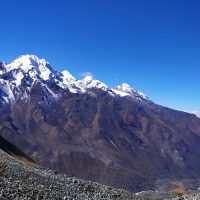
x=20 y=180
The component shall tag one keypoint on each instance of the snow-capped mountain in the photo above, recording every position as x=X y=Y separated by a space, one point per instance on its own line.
x=29 y=68
x=90 y=130
x=126 y=90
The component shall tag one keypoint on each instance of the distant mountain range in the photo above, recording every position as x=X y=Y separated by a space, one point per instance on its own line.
x=116 y=136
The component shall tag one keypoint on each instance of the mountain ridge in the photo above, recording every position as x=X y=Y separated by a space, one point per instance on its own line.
x=69 y=81
x=95 y=133
x=33 y=67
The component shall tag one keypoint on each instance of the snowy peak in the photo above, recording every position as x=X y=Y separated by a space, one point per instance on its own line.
x=89 y=82
x=26 y=63
x=18 y=77
x=124 y=87
x=27 y=69
x=126 y=90
x=67 y=77
x=31 y=64
x=87 y=79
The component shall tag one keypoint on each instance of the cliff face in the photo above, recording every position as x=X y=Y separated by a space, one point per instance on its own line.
x=98 y=133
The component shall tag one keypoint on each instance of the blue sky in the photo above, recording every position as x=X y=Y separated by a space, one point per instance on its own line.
x=154 y=45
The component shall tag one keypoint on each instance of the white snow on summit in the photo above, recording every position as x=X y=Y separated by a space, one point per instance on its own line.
x=67 y=77
x=126 y=90
x=30 y=66
x=32 y=63
x=89 y=82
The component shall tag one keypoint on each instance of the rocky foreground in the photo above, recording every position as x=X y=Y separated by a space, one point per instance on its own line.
x=24 y=180
x=20 y=180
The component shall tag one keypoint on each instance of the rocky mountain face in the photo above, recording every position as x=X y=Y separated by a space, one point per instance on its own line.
x=115 y=136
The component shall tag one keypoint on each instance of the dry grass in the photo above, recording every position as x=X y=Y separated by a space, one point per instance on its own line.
x=2 y=157
x=179 y=191
x=32 y=164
